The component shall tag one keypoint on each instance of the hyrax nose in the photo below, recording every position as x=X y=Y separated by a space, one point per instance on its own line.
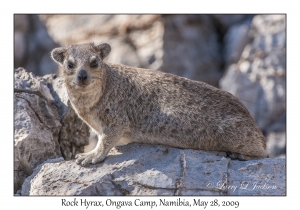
x=82 y=75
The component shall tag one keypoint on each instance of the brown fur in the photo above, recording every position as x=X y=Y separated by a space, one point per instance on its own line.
x=150 y=106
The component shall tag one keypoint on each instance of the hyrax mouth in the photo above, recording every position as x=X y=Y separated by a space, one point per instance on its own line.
x=80 y=84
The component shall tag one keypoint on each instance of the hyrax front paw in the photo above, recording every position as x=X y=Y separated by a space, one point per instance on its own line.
x=90 y=157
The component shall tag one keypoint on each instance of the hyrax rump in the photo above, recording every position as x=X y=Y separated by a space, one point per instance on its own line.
x=153 y=107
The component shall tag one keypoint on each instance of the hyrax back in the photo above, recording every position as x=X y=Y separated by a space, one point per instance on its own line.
x=150 y=106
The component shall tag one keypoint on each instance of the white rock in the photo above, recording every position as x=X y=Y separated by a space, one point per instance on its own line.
x=36 y=125
x=141 y=169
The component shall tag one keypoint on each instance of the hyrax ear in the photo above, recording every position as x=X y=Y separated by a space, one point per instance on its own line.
x=104 y=49
x=58 y=55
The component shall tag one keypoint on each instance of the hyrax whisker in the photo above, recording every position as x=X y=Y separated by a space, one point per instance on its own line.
x=153 y=107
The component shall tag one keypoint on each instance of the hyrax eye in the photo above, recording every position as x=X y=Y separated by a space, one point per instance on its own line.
x=70 y=65
x=94 y=64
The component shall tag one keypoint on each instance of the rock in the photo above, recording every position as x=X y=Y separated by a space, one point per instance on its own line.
x=225 y=22
x=259 y=77
x=26 y=184
x=74 y=133
x=276 y=145
x=276 y=137
x=36 y=125
x=191 y=49
x=186 y=45
x=32 y=45
x=136 y=40
x=142 y=169
x=235 y=40
x=257 y=177
x=46 y=126
x=134 y=169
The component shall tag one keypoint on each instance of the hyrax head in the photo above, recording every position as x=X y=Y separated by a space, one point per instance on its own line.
x=82 y=64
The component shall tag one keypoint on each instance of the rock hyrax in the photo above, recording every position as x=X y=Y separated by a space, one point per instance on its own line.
x=153 y=107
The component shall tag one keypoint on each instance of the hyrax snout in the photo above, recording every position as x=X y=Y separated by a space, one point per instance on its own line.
x=81 y=77
x=153 y=107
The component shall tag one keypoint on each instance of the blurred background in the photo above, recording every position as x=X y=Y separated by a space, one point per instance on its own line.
x=242 y=54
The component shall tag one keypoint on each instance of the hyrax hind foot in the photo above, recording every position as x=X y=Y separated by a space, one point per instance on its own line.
x=237 y=156
x=90 y=157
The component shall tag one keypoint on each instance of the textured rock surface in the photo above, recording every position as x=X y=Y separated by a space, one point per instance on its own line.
x=259 y=177
x=36 y=125
x=32 y=45
x=134 y=169
x=259 y=77
x=45 y=124
x=74 y=133
x=141 y=169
